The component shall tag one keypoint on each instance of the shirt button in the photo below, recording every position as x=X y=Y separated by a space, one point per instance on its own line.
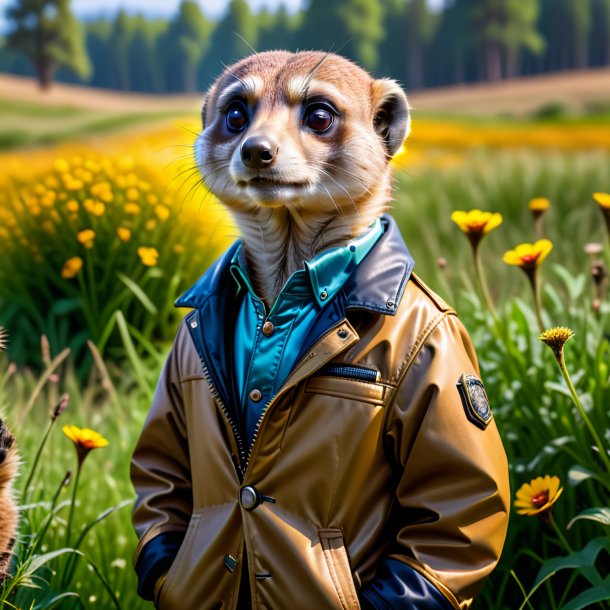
x=267 y=328
x=255 y=395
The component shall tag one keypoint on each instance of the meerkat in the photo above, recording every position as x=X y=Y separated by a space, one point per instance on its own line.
x=297 y=145
x=9 y=462
x=319 y=436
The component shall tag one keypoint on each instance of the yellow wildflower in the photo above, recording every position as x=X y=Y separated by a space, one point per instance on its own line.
x=150 y=224
x=603 y=199
x=132 y=194
x=537 y=496
x=148 y=256
x=124 y=233
x=475 y=223
x=162 y=212
x=179 y=249
x=61 y=166
x=85 y=440
x=152 y=199
x=86 y=237
x=131 y=208
x=72 y=205
x=539 y=204
x=528 y=256
x=71 y=267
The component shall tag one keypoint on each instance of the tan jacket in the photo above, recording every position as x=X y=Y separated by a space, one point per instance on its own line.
x=346 y=472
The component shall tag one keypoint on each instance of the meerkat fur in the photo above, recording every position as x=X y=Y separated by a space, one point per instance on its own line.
x=9 y=465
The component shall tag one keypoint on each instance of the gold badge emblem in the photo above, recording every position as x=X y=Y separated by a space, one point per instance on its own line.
x=474 y=399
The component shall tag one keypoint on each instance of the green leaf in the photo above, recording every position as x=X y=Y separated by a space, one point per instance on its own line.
x=40 y=560
x=584 y=558
x=577 y=474
x=581 y=560
x=601 y=515
x=589 y=597
x=48 y=603
x=138 y=293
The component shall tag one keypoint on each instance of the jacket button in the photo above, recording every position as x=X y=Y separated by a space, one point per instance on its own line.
x=267 y=328
x=255 y=395
x=249 y=498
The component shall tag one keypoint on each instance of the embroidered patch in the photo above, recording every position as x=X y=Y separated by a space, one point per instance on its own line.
x=474 y=399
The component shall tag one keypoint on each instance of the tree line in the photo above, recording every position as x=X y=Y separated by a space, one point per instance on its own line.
x=465 y=41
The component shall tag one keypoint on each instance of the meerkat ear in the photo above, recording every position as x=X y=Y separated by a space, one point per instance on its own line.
x=391 y=118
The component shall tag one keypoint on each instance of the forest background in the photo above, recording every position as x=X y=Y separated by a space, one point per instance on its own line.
x=418 y=43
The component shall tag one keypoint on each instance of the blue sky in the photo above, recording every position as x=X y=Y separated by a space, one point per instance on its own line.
x=214 y=8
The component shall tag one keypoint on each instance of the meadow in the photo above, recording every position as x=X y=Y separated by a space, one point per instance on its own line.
x=94 y=240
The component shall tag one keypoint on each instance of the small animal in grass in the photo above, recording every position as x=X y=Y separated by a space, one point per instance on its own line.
x=9 y=463
x=319 y=436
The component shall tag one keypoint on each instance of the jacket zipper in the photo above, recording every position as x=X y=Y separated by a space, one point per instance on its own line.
x=200 y=347
x=350 y=371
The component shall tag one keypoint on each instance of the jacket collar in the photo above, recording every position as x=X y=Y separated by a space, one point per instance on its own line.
x=377 y=284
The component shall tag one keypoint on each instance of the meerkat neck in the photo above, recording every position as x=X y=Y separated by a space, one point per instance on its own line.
x=278 y=241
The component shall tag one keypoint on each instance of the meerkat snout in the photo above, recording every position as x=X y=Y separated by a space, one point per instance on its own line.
x=259 y=151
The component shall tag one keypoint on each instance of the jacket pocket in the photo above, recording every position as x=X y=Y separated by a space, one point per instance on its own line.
x=337 y=562
x=352 y=389
x=182 y=551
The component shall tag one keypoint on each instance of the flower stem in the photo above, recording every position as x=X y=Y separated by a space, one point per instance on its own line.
x=559 y=533
x=482 y=283
x=36 y=460
x=600 y=446
x=72 y=504
x=532 y=276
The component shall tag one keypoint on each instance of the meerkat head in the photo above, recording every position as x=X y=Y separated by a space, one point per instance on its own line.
x=309 y=131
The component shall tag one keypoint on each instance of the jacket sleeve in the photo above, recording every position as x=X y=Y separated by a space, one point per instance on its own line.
x=452 y=500
x=161 y=476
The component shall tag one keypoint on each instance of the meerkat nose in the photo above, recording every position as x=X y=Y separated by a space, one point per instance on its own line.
x=259 y=151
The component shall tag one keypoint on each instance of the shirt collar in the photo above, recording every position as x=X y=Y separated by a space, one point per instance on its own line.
x=328 y=271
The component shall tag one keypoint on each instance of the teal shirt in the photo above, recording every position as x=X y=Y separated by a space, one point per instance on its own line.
x=267 y=345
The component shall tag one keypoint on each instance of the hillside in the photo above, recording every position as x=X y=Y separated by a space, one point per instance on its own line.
x=30 y=117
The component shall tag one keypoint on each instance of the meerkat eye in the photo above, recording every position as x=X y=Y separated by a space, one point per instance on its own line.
x=318 y=119
x=237 y=117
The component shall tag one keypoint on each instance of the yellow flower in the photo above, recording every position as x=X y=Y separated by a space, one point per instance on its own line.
x=132 y=194
x=528 y=256
x=71 y=267
x=74 y=185
x=124 y=233
x=179 y=249
x=603 y=199
x=148 y=256
x=86 y=237
x=61 y=166
x=537 y=496
x=150 y=224
x=72 y=205
x=475 y=223
x=85 y=440
x=162 y=212
x=539 y=204
x=555 y=338
x=131 y=208
x=100 y=187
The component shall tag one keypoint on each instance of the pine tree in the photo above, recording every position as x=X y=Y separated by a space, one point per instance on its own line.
x=48 y=34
